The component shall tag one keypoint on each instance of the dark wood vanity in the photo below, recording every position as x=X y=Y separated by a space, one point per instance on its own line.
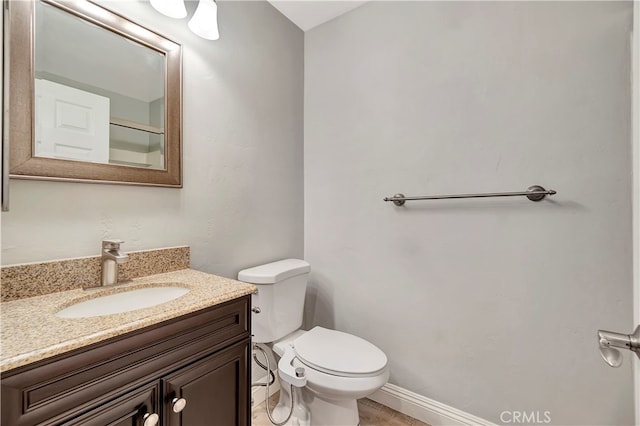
x=142 y=377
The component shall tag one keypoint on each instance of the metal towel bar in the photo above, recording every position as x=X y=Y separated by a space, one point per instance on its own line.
x=534 y=193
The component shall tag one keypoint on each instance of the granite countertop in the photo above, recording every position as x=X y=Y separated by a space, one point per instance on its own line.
x=30 y=330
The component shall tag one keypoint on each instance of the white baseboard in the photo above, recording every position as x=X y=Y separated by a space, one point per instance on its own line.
x=258 y=393
x=424 y=409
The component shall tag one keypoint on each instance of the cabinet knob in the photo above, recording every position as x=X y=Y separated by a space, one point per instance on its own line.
x=178 y=404
x=255 y=310
x=150 y=419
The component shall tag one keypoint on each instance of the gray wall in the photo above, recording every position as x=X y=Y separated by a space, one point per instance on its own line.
x=484 y=305
x=242 y=199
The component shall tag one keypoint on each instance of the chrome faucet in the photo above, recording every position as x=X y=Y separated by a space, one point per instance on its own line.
x=111 y=258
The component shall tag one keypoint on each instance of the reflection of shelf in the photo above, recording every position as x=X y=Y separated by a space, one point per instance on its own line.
x=129 y=163
x=137 y=126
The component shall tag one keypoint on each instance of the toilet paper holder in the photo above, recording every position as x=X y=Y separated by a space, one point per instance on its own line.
x=609 y=341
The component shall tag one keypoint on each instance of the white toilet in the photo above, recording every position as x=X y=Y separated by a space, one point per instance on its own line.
x=339 y=368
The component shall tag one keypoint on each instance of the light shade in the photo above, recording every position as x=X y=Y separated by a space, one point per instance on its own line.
x=170 y=8
x=205 y=21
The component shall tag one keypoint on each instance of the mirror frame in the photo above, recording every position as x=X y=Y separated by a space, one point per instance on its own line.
x=19 y=100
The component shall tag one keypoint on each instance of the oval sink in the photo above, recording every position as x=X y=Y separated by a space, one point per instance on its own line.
x=125 y=301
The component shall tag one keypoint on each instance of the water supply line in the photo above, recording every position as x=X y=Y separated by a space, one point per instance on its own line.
x=272 y=377
x=270 y=382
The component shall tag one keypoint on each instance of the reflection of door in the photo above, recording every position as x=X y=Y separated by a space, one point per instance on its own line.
x=71 y=123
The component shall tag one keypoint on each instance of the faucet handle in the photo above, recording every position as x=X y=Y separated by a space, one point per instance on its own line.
x=111 y=244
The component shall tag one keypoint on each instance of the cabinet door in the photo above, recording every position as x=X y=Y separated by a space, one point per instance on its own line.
x=130 y=409
x=216 y=390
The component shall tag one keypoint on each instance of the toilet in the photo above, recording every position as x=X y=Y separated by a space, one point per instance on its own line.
x=339 y=368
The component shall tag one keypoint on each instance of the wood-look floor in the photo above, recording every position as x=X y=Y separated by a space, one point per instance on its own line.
x=371 y=414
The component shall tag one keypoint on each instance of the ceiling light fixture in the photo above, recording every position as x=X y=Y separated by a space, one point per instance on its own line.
x=170 y=8
x=205 y=21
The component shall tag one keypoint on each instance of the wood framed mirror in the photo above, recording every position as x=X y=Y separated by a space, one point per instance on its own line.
x=91 y=96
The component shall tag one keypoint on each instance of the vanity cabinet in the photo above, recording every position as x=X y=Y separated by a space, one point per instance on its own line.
x=202 y=358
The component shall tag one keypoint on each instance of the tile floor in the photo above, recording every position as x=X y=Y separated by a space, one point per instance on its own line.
x=371 y=414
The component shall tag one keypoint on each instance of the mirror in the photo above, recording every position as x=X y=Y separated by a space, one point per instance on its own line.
x=88 y=106
x=97 y=99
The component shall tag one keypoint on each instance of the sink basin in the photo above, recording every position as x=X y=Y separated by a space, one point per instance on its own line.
x=125 y=301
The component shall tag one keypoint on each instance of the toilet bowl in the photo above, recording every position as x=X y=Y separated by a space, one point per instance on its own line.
x=338 y=368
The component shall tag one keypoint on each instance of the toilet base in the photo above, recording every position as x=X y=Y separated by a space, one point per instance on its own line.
x=321 y=411
x=327 y=412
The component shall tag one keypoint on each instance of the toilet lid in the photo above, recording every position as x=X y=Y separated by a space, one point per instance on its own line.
x=338 y=353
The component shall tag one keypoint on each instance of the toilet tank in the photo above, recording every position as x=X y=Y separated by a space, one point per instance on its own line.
x=280 y=298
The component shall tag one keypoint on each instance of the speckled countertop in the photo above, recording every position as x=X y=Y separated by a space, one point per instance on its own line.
x=30 y=330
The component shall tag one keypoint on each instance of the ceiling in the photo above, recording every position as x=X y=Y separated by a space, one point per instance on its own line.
x=307 y=14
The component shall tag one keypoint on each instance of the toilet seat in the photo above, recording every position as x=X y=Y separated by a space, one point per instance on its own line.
x=339 y=354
